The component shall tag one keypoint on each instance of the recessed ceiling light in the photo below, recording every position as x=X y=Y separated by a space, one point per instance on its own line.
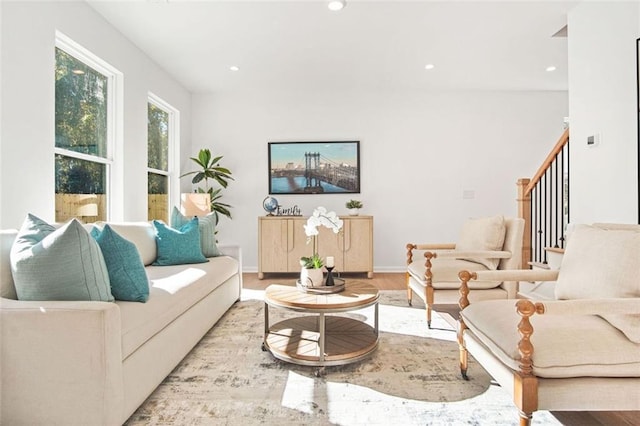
x=77 y=72
x=551 y=68
x=336 y=5
x=234 y=68
x=429 y=67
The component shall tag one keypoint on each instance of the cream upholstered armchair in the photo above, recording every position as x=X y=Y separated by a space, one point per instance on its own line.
x=580 y=352
x=484 y=244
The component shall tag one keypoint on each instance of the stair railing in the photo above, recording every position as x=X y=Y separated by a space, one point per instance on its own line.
x=543 y=202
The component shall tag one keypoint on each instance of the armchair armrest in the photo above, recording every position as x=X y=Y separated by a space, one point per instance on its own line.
x=614 y=306
x=437 y=246
x=474 y=253
x=516 y=275
x=56 y=355
x=504 y=275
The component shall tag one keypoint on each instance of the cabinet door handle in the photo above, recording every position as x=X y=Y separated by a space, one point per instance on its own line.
x=289 y=235
x=347 y=235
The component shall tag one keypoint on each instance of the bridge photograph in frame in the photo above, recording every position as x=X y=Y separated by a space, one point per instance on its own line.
x=314 y=167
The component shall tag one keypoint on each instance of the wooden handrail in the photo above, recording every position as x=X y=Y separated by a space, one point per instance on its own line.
x=564 y=138
x=524 y=212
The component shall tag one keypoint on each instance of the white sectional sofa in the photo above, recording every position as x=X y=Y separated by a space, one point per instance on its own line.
x=94 y=363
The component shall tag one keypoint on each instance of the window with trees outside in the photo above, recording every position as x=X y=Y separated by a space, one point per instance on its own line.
x=161 y=139
x=83 y=161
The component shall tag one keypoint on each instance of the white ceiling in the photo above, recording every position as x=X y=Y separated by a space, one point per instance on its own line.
x=370 y=44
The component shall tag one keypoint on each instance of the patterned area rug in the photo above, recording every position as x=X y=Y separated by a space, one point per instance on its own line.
x=412 y=378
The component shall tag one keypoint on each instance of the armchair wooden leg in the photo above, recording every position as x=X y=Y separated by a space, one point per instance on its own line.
x=464 y=354
x=525 y=419
x=429 y=296
x=428 y=290
x=525 y=384
x=410 y=248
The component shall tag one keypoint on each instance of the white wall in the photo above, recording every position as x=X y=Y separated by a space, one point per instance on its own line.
x=27 y=120
x=602 y=99
x=419 y=152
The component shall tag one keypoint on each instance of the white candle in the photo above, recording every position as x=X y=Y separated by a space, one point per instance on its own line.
x=330 y=263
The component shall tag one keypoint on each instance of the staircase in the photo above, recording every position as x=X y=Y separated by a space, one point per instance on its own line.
x=543 y=203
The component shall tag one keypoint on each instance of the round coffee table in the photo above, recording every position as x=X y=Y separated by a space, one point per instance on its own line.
x=321 y=340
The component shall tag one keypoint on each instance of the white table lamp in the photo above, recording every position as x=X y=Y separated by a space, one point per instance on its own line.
x=195 y=204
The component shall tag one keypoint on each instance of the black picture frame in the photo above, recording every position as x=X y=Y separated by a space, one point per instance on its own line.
x=638 y=116
x=326 y=167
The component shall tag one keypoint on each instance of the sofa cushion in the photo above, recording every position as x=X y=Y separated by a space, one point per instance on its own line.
x=482 y=234
x=58 y=264
x=445 y=273
x=173 y=290
x=124 y=265
x=602 y=263
x=178 y=246
x=207 y=227
x=564 y=345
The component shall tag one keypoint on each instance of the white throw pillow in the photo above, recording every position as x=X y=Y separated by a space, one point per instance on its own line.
x=483 y=234
x=603 y=263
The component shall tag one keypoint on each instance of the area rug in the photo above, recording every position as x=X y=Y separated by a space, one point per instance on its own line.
x=412 y=378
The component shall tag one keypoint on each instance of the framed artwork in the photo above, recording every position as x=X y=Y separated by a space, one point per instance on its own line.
x=314 y=167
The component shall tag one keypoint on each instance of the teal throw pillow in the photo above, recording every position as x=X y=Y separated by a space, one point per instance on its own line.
x=207 y=227
x=58 y=264
x=124 y=265
x=178 y=246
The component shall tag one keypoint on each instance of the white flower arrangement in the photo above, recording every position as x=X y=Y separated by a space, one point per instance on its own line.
x=322 y=217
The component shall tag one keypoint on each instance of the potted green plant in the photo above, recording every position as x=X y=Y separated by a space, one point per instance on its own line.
x=354 y=206
x=312 y=262
x=311 y=273
x=210 y=169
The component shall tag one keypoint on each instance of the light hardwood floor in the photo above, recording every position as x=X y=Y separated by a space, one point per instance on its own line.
x=396 y=281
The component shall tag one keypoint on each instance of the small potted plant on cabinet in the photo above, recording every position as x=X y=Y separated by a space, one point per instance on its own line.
x=354 y=207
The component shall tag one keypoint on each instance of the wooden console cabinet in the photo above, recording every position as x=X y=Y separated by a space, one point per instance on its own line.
x=282 y=241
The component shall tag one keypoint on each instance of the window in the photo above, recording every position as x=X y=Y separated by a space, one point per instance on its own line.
x=84 y=92
x=161 y=141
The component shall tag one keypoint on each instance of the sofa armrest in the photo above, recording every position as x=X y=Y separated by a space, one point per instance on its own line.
x=234 y=251
x=61 y=362
x=231 y=250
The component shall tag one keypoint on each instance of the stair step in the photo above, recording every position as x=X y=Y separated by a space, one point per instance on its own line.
x=539 y=265
x=555 y=249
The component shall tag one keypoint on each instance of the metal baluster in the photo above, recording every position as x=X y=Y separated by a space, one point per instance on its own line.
x=539 y=187
x=546 y=217
x=568 y=180
x=555 y=161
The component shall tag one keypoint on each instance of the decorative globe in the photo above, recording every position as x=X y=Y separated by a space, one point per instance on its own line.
x=270 y=205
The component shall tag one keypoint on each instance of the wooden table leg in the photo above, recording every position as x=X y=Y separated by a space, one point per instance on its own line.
x=266 y=326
